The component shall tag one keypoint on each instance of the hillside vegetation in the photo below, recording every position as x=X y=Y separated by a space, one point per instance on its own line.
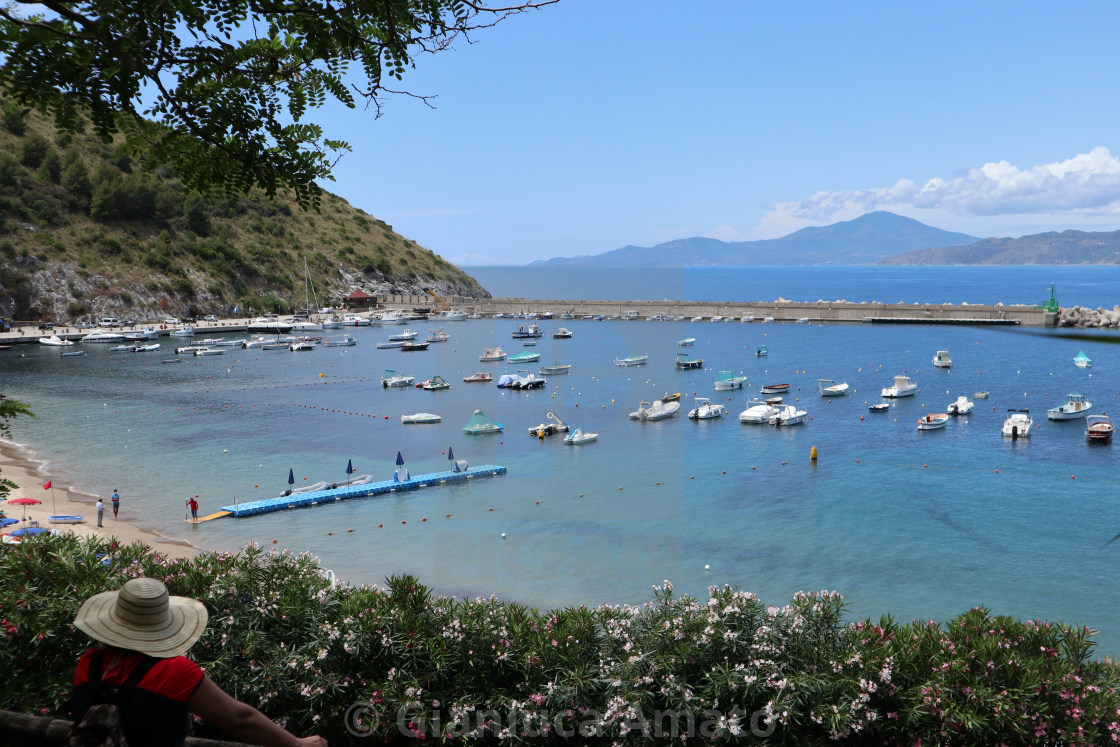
x=86 y=228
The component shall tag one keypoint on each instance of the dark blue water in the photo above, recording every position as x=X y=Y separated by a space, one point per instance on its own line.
x=917 y=524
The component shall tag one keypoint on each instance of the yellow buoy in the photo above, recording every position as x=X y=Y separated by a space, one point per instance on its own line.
x=813 y=453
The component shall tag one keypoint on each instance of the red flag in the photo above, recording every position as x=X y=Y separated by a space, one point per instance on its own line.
x=47 y=486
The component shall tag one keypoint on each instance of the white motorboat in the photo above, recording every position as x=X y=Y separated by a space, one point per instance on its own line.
x=482 y=376
x=268 y=324
x=301 y=347
x=902 y=387
x=726 y=380
x=631 y=360
x=705 y=409
x=550 y=426
x=933 y=421
x=184 y=331
x=340 y=341
x=390 y=316
x=942 y=359
x=390 y=344
x=963 y=406
x=757 y=412
x=55 y=341
x=788 y=415
x=687 y=342
x=206 y=351
x=1098 y=428
x=405 y=335
x=306 y=325
x=438 y=335
x=145 y=348
x=880 y=407
x=103 y=335
x=577 y=437
x=451 y=315
x=556 y=369
x=420 y=418
x=563 y=333
x=829 y=388
x=353 y=320
x=142 y=335
x=1018 y=424
x=206 y=342
x=657 y=410
x=696 y=319
x=492 y=354
x=391 y=379
x=332 y=322
x=1075 y=407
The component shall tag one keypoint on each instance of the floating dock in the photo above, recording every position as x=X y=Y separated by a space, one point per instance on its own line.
x=344 y=493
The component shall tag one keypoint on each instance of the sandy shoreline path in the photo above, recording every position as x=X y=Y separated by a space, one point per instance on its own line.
x=17 y=465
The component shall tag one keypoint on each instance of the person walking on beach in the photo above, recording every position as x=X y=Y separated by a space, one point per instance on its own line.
x=116 y=498
x=141 y=667
x=100 y=511
x=194 y=508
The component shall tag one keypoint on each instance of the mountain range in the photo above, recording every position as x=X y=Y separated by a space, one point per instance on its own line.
x=875 y=238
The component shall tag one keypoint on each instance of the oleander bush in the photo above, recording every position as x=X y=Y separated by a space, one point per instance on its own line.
x=388 y=664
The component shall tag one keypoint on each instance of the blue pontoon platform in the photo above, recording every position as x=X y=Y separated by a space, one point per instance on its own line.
x=318 y=497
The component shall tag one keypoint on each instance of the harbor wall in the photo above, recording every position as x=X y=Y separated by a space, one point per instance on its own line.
x=781 y=311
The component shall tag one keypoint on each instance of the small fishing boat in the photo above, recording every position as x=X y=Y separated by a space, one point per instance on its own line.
x=210 y=351
x=556 y=369
x=492 y=354
x=881 y=407
x=761 y=351
x=1098 y=428
x=529 y=343
x=774 y=400
x=829 y=388
x=121 y=349
x=726 y=380
x=66 y=519
x=525 y=358
x=1018 y=423
x=932 y=421
x=528 y=330
x=479 y=424
x=405 y=335
x=788 y=415
x=341 y=341
x=685 y=361
x=434 y=384
x=774 y=388
x=414 y=346
x=146 y=348
x=392 y=379
x=1075 y=407
x=631 y=360
x=420 y=418
x=577 y=437
x=301 y=347
x=481 y=376
x=687 y=342
x=438 y=335
x=942 y=360
x=656 y=410
x=902 y=387
x=390 y=344
x=705 y=409
x=980 y=395
x=963 y=406
x=563 y=333
x=551 y=426
x=674 y=397
x=1081 y=360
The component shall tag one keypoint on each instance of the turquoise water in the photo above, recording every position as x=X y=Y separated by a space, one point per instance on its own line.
x=917 y=524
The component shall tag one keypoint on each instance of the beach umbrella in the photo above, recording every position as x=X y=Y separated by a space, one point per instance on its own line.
x=29 y=530
x=25 y=502
x=8 y=522
x=400 y=460
x=349 y=469
x=291 y=477
x=450 y=454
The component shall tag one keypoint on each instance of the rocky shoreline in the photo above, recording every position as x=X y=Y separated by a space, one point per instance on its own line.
x=1083 y=316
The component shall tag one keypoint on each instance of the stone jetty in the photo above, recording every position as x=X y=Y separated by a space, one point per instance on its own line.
x=1083 y=316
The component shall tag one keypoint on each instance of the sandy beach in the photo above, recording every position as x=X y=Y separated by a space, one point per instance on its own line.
x=18 y=466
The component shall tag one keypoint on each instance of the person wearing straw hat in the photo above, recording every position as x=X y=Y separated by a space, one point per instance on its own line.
x=146 y=632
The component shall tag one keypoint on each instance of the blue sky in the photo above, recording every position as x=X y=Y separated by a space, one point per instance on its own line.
x=593 y=124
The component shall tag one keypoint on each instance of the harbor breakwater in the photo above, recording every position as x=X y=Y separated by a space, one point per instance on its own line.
x=779 y=311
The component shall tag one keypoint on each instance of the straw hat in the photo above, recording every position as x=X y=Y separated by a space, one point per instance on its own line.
x=142 y=617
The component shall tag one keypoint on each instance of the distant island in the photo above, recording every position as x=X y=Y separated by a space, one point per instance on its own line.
x=879 y=237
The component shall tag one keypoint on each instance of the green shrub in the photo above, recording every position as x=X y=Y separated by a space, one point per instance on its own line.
x=76 y=310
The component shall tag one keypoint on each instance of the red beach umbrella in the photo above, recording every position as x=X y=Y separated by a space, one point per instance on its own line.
x=24 y=502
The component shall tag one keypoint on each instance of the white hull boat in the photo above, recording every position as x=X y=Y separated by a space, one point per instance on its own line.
x=942 y=359
x=207 y=351
x=1018 y=424
x=788 y=415
x=933 y=421
x=963 y=406
x=902 y=387
x=829 y=388
x=705 y=409
x=656 y=410
x=101 y=335
x=726 y=381
x=632 y=360
x=1098 y=428
x=420 y=418
x=405 y=335
x=492 y=354
x=557 y=369
x=341 y=341
x=577 y=437
x=54 y=341
x=757 y=412
x=1075 y=408
x=392 y=379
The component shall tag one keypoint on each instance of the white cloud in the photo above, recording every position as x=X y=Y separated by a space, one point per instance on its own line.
x=1083 y=188
x=725 y=233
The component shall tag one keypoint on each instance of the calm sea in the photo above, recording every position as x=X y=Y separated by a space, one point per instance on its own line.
x=916 y=524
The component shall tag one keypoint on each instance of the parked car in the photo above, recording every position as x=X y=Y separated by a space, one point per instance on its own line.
x=46 y=325
x=86 y=325
x=171 y=321
x=209 y=318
